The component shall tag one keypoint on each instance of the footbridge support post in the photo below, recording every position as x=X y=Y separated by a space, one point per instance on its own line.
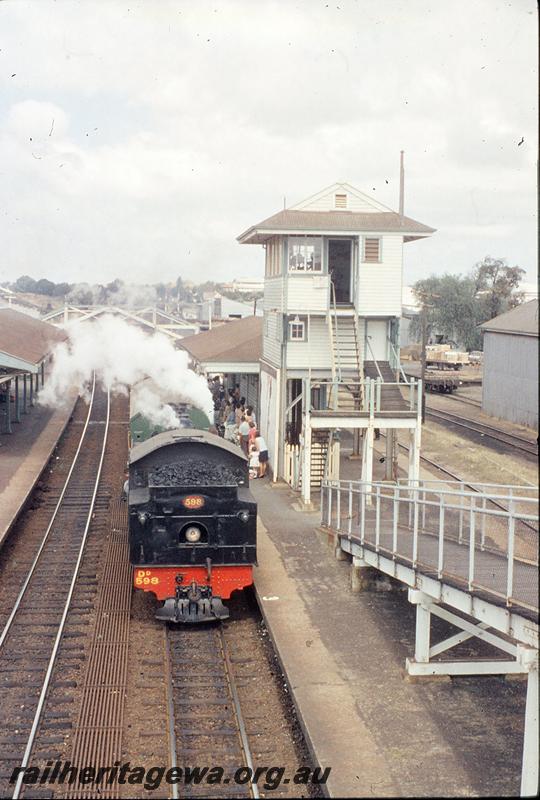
x=524 y=662
x=529 y=771
x=361 y=575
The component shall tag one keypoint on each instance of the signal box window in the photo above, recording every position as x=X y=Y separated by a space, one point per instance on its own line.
x=297 y=329
x=304 y=254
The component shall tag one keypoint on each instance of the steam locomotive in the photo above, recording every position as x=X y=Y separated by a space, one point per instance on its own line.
x=192 y=522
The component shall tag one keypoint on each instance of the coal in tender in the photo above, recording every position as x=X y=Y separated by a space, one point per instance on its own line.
x=195 y=473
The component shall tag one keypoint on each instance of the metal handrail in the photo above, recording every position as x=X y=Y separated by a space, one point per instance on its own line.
x=470 y=512
x=370 y=391
x=398 y=362
x=373 y=358
x=358 y=349
x=334 y=307
x=404 y=485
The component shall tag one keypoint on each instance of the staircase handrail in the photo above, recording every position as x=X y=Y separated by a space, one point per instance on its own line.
x=358 y=348
x=398 y=362
x=334 y=307
x=374 y=359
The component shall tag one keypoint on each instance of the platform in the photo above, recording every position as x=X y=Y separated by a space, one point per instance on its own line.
x=344 y=656
x=24 y=455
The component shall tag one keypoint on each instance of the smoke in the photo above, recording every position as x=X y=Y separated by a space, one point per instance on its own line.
x=122 y=356
x=116 y=293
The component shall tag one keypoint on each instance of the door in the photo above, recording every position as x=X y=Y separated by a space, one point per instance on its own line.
x=376 y=336
x=339 y=268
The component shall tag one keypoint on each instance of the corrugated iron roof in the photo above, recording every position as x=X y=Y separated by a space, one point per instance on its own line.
x=27 y=338
x=236 y=341
x=289 y=220
x=521 y=320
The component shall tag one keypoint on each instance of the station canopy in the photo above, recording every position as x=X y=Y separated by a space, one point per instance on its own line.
x=25 y=343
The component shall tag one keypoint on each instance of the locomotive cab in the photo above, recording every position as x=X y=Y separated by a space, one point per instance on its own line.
x=192 y=523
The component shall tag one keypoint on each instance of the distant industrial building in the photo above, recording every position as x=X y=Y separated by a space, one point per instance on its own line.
x=245 y=285
x=510 y=384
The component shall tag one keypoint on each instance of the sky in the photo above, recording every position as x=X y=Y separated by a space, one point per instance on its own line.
x=138 y=139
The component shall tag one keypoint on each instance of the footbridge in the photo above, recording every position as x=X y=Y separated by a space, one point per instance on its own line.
x=468 y=556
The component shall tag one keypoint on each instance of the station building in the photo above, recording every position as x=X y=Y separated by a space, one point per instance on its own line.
x=332 y=306
x=510 y=380
x=26 y=344
x=232 y=350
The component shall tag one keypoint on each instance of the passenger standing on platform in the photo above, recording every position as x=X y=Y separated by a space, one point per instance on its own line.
x=252 y=434
x=236 y=391
x=239 y=413
x=263 y=454
x=253 y=462
x=243 y=431
x=215 y=386
x=250 y=415
x=230 y=426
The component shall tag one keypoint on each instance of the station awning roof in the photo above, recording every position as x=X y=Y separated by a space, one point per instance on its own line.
x=25 y=341
x=233 y=347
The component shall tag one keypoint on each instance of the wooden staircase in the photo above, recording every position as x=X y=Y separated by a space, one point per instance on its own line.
x=345 y=354
x=346 y=363
x=320 y=440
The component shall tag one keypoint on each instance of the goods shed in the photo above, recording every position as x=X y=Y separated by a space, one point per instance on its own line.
x=510 y=384
x=26 y=345
x=232 y=350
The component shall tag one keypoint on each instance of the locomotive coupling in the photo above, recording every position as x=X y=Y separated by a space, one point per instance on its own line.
x=192 y=604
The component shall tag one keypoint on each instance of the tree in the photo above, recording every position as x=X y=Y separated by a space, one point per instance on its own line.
x=25 y=284
x=61 y=289
x=456 y=305
x=44 y=286
x=497 y=285
x=181 y=292
x=161 y=291
x=451 y=309
x=114 y=286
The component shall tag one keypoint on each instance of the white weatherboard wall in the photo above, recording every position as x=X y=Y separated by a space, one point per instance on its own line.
x=272 y=338
x=326 y=200
x=377 y=333
x=380 y=285
x=274 y=293
x=315 y=352
x=268 y=413
x=307 y=293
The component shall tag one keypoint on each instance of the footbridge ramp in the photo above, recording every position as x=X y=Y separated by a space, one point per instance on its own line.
x=468 y=556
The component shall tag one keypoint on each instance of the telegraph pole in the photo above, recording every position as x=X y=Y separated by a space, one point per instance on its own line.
x=423 y=362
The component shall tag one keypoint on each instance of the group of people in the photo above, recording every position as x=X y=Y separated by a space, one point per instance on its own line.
x=236 y=422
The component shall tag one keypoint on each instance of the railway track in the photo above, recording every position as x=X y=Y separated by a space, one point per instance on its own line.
x=206 y=725
x=32 y=633
x=468 y=401
x=480 y=428
x=466 y=485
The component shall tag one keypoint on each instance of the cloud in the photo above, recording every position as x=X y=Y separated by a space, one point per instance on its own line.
x=179 y=124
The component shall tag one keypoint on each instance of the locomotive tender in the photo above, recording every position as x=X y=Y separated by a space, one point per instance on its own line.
x=192 y=522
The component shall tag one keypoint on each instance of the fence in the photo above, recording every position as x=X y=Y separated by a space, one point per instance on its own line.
x=485 y=540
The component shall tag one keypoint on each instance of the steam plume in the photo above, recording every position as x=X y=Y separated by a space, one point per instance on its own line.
x=122 y=356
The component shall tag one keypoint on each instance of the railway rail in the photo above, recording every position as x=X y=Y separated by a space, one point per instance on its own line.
x=468 y=401
x=31 y=634
x=206 y=724
x=482 y=429
x=467 y=485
